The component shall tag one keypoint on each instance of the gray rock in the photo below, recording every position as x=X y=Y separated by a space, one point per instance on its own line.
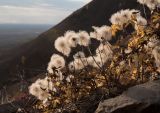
x=135 y=100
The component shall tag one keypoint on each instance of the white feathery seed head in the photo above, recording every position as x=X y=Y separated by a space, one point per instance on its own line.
x=99 y=63
x=71 y=38
x=62 y=46
x=84 y=38
x=90 y=60
x=54 y=56
x=56 y=62
x=116 y=18
x=125 y=16
x=34 y=89
x=93 y=34
x=141 y=21
x=151 y=4
x=79 y=54
x=102 y=57
x=103 y=33
x=60 y=76
x=43 y=95
x=77 y=64
x=40 y=88
x=105 y=50
x=142 y=1
x=45 y=83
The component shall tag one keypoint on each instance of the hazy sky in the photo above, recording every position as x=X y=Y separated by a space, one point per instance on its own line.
x=37 y=11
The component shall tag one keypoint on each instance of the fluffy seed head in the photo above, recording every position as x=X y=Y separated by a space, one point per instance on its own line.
x=62 y=46
x=90 y=61
x=84 y=38
x=123 y=16
x=79 y=54
x=151 y=4
x=92 y=35
x=116 y=19
x=71 y=38
x=141 y=21
x=103 y=33
x=56 y=62
x=126 y=15
x=40 y=88
x=34 y=89
x=77 y=64
x=105 y=50
x=98 y=63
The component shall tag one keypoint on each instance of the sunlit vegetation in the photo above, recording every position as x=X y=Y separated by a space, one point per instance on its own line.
x=133 y=59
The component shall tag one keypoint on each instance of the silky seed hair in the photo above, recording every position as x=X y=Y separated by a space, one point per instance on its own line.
x=84 y=38
x=57 y=62
x=62 y=46
x=103 y=33
x=71 y=38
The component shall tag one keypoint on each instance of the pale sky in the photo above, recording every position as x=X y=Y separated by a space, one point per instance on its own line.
x=37 y=11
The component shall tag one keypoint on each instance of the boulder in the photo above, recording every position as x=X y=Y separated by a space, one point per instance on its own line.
x=144 y=98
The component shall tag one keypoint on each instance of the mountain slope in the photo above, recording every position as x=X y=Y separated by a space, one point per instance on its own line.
x=37 y=52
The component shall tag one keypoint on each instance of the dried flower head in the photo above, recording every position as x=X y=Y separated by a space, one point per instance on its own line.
x=71 y=38
x=123 y=16
x=40 y=88
x=84 y=38
x=34 y=89
x=43 y=95
x=116 y=18
x=93 y=34
x=79 y=54
x=103 y=33
x=56 y=62
x=77 y=64
x=126 y=15
x=105 y=50
x=62 y=46
x=90 y=60
x=151 y=4
x=140 y=23
x=98 y=62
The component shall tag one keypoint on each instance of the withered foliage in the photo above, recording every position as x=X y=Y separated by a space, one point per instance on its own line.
x=131 y=64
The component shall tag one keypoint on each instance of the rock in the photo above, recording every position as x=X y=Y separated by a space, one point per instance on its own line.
x=144 y=98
